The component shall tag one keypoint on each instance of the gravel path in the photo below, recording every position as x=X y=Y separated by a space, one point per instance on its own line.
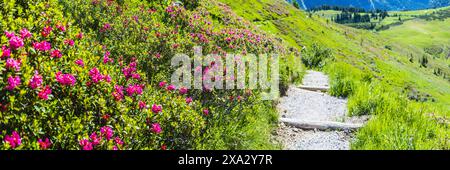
x=314 y=106
x=297 y=139
x=315 y=79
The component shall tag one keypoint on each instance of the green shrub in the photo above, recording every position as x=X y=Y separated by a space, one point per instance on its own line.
x=365 y=100
x=317 y=56
x=343 y=78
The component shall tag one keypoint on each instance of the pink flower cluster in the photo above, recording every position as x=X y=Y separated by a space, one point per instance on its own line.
x=79 y=62
x=105 y=27
x=106 y=132
x=14 y=140
x=171 y=87
x=13 y=64
x=24 y=33
x=162 y=84
x=188 y=100
x=156 y=108
x=42 y=46
x=130 y=71
x=206 y=112
x=46 y=31
x=183 y=90
x=118 y=92
x=97 y=77
x=6 y=52
x=65 y=79
x=43 y=94
x=142 y=105
x=61 y=28
x=16 y=42
x=35 y=81
x=135 y=89
x=80 y=35
x=13 y=82
x=156 y=128
x=106 y=58
x=69 y=42
x=44 y=144
x=86 y=144
x=55 y=54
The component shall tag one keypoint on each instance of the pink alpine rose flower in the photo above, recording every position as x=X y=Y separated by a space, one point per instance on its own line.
x=107 y=132
x=36 y=80
x=15 y=42
x=79 y=62
x=46 y=31
x=142 y=105
x=95 y=75
x=136 y=76
x=107 y=78
x=95 y=139
x=6 y=52
x=24 y=33
x=9 y=35
x=61 y=28
x=156 y=108
x=162 y=84
x=171 y=87
x=44 y=144
x=206 y=112
x=14 y=140
x=43 y=94
x=156 y=128
x=105 y=27
x=118 y=92
x=69 y=42
x=13 y=82
x=118 y=141
x=106 y=58
x=183 y=90
x=42 y=46
x=65 y=79
x=55 y=54
x=134 y=89
x=188 y=100
x=129 y=71
x=80 y=35
x=87 y=146
x=13 y=64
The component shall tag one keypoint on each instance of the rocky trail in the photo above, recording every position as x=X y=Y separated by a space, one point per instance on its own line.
x=310 y=119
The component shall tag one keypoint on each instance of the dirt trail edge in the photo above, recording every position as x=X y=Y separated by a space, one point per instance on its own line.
x=310 y=119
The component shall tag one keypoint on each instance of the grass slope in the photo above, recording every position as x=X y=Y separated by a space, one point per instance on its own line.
x=379 y=77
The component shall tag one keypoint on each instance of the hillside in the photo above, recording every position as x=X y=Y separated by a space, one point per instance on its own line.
x=371 y=73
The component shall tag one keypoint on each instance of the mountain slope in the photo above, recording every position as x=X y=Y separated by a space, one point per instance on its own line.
x=377 y=4
x=380 y=78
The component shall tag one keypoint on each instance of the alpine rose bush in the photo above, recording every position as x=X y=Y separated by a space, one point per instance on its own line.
x=100 y=82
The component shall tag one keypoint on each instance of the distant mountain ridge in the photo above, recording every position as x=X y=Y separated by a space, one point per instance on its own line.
x=391 y=5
